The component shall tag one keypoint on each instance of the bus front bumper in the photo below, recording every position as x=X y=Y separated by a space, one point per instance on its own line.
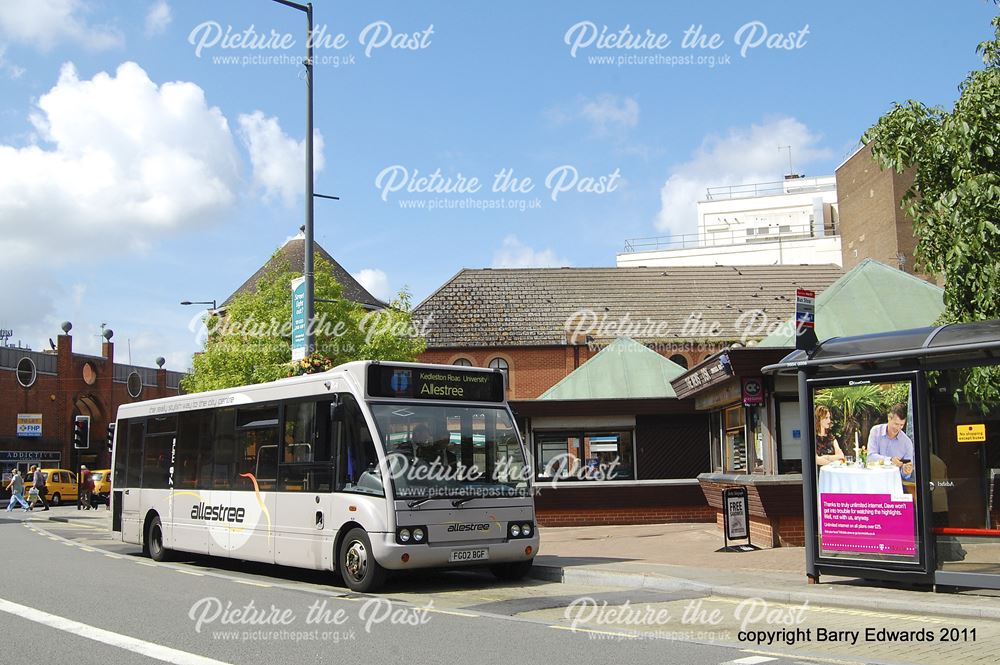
x=390 y=554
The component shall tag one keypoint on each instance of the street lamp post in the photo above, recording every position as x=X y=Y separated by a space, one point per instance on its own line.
x=307 y=266
x=200 y=302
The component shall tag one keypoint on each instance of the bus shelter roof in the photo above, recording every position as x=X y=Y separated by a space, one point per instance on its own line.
x=952 y=343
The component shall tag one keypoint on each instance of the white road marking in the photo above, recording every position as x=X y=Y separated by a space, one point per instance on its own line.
x=157 y=651
x=750 y=660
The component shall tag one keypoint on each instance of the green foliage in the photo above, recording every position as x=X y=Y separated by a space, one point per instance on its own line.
x=955 y=197
x=251 y=341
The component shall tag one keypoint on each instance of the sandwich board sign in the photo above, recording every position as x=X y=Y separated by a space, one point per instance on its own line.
x=736 y=520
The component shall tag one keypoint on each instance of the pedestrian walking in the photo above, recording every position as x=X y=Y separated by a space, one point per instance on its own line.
x=16 y=487
x=38 y=484
x=86 y=486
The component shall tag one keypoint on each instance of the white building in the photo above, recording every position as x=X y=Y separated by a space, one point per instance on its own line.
x=793 y=221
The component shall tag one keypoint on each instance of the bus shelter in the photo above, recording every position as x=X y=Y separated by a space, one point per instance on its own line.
x=904 y=445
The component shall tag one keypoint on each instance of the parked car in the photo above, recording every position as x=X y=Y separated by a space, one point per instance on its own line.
x=102 y=486
x=60 y=484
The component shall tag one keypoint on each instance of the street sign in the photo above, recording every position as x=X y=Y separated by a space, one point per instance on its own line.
x=298 y=318
x=971 y=433
x=753 y=391
x=805 y=320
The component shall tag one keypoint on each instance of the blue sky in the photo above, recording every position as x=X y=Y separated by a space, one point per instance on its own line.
x=126 y=188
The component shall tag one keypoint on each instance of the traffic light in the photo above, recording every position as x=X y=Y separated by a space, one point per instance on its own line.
x=111 y=436
x=81 y=432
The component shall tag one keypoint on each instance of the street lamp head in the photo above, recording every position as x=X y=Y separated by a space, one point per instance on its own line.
x=66 y=327
x=185 y=302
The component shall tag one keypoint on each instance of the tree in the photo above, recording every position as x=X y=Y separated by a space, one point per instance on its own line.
x=250 y=342
x=954 y=201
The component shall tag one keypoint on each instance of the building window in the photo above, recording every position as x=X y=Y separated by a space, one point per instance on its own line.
x=134 y=384
x=735 y=440
x=679 y=360
x=576 y=455
x=501 y=364
x=462 y=362
x=26 y=372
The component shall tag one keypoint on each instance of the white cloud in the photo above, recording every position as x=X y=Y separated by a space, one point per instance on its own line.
x=278 y=160
x=606 y=115
x=120 y=160
x=609 y=114
x=377 y=283
x=44 y=23
x=13 y=71
x=158 y=18
x=741 y=156
x=514 y=254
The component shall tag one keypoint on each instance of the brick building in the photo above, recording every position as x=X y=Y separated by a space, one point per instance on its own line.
x=42 y=392
x=540 y=324
x=872 y=223
x=589 y=355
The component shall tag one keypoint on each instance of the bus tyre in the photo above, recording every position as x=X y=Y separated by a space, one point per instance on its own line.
x=358 y=567
x=154 y=541
x=56 y=499
x=511 y=572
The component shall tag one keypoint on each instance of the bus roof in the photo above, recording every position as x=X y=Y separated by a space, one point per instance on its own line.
x=348 y=375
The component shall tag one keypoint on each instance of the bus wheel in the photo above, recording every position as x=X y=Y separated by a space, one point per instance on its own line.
x=511 y=572
x=358 y=566
x=154 y=541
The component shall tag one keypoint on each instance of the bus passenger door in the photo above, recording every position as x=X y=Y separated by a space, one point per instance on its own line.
x=303 y=533
x=131 y=494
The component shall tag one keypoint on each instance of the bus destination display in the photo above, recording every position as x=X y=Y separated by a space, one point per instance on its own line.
x=427 y=383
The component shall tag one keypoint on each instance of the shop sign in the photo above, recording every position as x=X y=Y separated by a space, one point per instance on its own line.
x=29 y=456
x=29 y=424
x=971 y=433
x=753 y=391
x=719 y=397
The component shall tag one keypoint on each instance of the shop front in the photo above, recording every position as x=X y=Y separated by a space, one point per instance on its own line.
x=902 y=434
x=745 y=411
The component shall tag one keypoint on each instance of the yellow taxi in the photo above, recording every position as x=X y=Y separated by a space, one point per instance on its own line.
x=102 y=485
x=60 y=486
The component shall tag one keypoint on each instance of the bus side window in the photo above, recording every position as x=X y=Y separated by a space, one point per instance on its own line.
x=305 y=464
x=358 y=470
x=193 y=448
x=223 y=460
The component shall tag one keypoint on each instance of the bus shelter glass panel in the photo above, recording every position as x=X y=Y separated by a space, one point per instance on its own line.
x=867 y=471
x=965 y=472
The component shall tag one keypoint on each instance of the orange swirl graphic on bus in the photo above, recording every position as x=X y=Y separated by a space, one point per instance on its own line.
x=260 y=502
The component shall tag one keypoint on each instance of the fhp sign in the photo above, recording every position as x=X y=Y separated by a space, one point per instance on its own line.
x=29 y=424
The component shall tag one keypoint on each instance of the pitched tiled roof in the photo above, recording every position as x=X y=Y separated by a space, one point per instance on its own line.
x=293 y=251
x=871 y=298
x=625 y=369
x=531 y=306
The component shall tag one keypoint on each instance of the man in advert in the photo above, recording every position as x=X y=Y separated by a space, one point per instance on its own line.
x=889 y=442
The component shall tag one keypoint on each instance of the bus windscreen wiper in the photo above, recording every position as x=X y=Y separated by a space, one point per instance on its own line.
x=417 y=502
x=458 y=502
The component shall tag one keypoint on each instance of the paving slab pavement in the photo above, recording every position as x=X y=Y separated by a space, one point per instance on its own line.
x=676 y=557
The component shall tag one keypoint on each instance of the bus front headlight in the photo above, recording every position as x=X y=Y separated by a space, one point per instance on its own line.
x=526 y=530
x=404 y=535
x=418 y=535
x=515 y=531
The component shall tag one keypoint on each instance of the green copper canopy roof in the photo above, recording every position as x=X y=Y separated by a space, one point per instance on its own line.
x=625 y=369
x=871 y=298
